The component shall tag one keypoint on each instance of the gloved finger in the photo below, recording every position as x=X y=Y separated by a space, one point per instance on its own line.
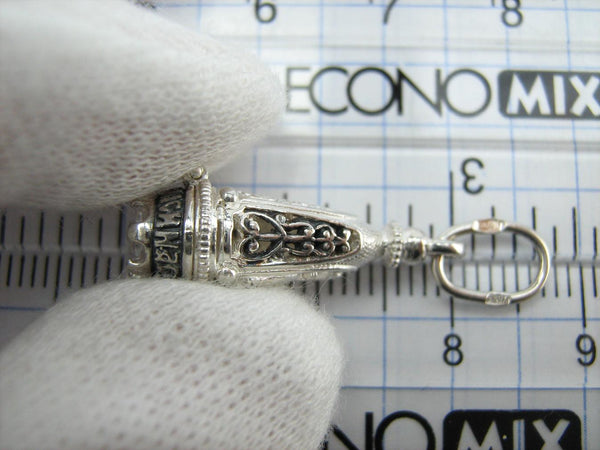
x=164 y=363
x=103 y=101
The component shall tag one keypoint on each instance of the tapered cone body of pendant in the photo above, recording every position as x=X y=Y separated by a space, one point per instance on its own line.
x=232 y=237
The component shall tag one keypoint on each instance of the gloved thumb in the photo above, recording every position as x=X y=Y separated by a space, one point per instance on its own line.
x=165 y=363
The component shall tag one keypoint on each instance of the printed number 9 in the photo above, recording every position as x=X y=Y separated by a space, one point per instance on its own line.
x=264 y=12
x=586 y=345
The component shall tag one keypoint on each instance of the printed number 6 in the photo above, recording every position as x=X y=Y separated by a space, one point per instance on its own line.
x=268 y=13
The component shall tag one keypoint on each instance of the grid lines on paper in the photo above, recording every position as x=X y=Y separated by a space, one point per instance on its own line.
x=413 y=169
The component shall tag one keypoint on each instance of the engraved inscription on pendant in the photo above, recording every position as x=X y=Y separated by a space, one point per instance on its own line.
x=271 y=237
x=167 y=242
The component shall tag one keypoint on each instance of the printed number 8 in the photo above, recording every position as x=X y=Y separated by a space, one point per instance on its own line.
x=453 y=355
x=512 y=15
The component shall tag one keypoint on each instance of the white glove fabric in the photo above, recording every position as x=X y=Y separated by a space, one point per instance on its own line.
x=163 y=363
x=102 y=102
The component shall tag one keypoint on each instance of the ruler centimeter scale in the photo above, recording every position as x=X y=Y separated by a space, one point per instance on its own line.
x=37 y=264
x=429 y=113
x=52 y=265
x=28 y=265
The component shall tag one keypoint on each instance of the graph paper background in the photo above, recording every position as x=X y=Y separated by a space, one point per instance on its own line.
x=408 y=346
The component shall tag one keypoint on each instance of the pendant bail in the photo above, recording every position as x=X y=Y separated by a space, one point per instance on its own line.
x=411 y=246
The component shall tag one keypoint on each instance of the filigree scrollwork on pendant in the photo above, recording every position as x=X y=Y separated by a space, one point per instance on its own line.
x=265 y=236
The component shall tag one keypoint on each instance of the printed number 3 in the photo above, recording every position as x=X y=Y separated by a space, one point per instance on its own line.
x=469 y=177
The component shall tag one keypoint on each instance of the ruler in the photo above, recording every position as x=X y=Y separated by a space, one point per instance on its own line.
x=428 y=113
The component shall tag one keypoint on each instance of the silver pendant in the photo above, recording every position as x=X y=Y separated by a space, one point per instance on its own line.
x=198 y=233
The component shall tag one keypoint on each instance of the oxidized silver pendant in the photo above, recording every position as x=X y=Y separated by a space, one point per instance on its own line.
x=198 y=233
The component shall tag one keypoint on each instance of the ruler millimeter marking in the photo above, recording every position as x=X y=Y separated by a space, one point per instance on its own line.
x=42 y=253
x=88 y=257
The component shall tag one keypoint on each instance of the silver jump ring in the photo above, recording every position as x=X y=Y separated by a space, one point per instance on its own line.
x=494 y=226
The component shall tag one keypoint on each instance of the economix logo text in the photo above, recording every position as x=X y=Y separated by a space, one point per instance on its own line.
x=512 y=430
x=464 y=92
x=548 y=429
x=561 y=95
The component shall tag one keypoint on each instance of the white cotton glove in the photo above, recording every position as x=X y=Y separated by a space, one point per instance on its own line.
x=166 y=363
x=102 y=102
